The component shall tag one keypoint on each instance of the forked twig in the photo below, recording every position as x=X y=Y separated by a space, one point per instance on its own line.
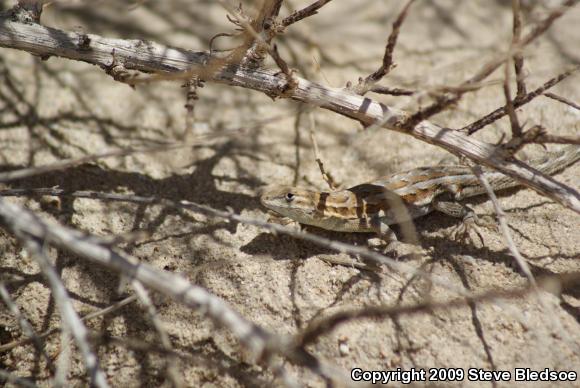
x=444 y=101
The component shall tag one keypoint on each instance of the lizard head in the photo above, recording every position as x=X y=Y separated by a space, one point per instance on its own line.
x=294 y=202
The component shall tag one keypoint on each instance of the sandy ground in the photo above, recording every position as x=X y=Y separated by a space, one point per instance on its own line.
x=61 y=109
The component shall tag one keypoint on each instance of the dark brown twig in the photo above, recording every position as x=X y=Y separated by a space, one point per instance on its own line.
x=538 y=135
x=509 y=104
x=392 y=91
x=445 y=101
x=501 y=112
x=291 y=82
x=365 y=85
x=518 y=57
x=305 y=12
x=267 y=15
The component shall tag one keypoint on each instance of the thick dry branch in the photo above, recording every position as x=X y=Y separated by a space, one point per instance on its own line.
x=35 y=244
x=258 y=341
x=151 y=57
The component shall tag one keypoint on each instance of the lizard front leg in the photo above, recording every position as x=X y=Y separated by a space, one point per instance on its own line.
x=385 y=235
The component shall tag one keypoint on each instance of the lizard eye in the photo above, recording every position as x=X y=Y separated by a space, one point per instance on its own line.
x=289 y=197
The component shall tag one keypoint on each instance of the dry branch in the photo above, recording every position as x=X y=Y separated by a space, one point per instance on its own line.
x=258 y=341
x=114 y=307
x=151 y=57
x=338 y=246
x=305 y=12
x=518 y=57
x=327 y=324
x=501 y=112
x=34 y=243
x=562 y=100
x=365 y=85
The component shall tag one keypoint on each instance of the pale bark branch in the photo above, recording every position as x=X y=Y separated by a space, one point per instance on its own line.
x=34 y=243
x=151 y=57
x=257 y=340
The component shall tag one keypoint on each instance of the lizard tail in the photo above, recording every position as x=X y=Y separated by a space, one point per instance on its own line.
x=555 y=162
x=551 y=163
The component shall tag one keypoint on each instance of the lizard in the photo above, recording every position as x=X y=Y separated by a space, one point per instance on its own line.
x=374 y=206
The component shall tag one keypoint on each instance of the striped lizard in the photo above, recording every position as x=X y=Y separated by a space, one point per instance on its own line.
x=373 y=206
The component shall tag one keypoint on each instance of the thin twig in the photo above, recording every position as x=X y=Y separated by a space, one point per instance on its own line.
x=365 y=85
x=65 y=164
x=325 y=175
x=501 y=112
x=522 y=264
x=71 y=320
x=326 y=324
x=338 y=246
x=562 y=100
x=171 y=364
x=291 y=82
x=305 y=12
x=64 y=358
x=509 y=104
x=107 y=310
x=444 y=101
x=25 y=326
x=518 y=57
x=538 y=135
x=8 y=377
x=392 y=91
x=501 y=216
